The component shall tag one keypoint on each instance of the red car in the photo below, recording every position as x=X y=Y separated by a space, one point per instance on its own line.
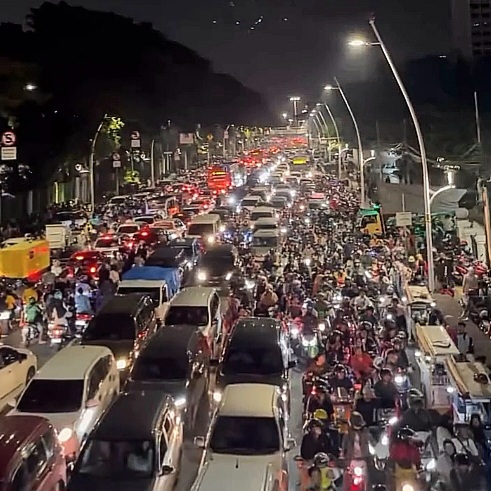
x=85 y=262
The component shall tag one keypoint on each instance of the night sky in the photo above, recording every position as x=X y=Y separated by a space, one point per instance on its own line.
x=284 y=47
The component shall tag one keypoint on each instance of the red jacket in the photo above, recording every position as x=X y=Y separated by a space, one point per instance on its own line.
x=404 y=452
x=361 y=364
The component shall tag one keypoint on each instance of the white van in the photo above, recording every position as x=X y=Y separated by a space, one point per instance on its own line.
x=266 y=224
x=249 y=202
x=72 y=390
x=248 y=440
x=205 y=227
x=261 y=212
x=199 y=306
x=263 y=241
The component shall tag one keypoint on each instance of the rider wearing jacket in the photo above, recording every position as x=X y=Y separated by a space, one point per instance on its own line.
x=416 y=417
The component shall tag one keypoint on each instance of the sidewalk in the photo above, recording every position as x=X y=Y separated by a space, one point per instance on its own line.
x=450 y=307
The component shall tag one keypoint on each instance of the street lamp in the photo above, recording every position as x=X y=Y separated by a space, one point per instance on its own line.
x=295 y=100
x=422 y=149
x=285 y=115
x=30 y=87
x=329 y=88
x=328 y=109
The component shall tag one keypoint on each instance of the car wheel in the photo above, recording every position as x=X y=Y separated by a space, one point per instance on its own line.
x=30 y=373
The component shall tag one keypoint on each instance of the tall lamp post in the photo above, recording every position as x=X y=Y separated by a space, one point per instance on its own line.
x=91 y=163
x=331 y=116
x=295 y=100
x=422 y=149
x=357 y=130
x=322 y=120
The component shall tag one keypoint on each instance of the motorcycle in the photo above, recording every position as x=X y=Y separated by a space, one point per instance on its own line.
x=357 y=475
x=310 y=344
x=56 y=334
x=81 y=322
x=30 y=334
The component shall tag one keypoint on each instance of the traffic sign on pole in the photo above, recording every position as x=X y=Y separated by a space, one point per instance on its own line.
x=8 y=138
x=9 y=153
x=135 y=135
x=116 y=160
x=135 y=139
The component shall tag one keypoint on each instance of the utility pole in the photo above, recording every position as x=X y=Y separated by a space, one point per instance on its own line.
x=152 y=163
x=92 y=164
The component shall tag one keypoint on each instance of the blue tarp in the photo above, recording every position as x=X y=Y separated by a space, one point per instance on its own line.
x=155 y=273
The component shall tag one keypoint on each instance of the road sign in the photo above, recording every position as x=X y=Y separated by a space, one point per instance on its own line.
x=135 y=139
x=209 y=137
x=186 y=138
x=9 y=153
x=135 y=135
x=8 y=138
x=116 y=164
x=116 y=156
x=135 y=143
x=404 y=219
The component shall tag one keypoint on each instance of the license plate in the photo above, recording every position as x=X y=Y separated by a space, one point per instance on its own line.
x=80 y=323
x=55 y=340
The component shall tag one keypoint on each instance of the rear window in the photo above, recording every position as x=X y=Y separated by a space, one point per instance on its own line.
x=195 y=316
x=111 y=327
x=128 y=229
x=106 y=243
x=201 y=228
x=252 y=359
x=255 y=215
x=164 y=367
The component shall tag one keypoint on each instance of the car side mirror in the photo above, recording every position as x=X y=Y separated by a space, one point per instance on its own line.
x=166 y=470
x=91 y=403
x=199 y=441
x=290 y=443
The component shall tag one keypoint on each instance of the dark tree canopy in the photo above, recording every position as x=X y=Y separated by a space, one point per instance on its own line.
x=86 y=64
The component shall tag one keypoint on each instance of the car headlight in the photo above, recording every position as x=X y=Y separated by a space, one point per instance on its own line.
x=217 y=396
x=407 y=487
x=210 y=239
x=228 y=276
x=400 y=379
x=121 y=364
x=180 y=402
x=201 y=276
x=65 y=434
x=393 y=421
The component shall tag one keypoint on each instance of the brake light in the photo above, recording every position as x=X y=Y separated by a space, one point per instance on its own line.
x=93 y=269
x=144 y=234
x=79 y=258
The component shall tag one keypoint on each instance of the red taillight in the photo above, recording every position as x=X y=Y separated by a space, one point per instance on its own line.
x=79 y=258
x=144 y=234
x=84 y=317
x=93 y=269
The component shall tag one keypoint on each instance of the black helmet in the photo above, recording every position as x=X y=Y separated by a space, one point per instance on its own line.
x=321 y=459
x=339 y=368
x=314 y=423
x=462 y=459
x=415 y=397
x=379 y=487
x=385 y=371
x=405 y=433
x=356 y=420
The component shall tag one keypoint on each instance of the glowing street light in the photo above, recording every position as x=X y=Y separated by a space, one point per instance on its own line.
x=30 y=87
x=295 y=100
x=285 y=115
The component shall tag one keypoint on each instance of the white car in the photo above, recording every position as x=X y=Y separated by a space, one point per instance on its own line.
x=129 y=229
x=107 y=244
x=72 y=390
x=173 y=225
x=390 y=168
x=17 y=367
x=247 y=442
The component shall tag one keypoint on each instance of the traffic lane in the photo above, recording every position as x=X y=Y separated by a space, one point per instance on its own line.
x=43 y=352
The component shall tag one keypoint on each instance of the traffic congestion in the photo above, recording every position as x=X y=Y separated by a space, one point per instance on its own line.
x=243 y=324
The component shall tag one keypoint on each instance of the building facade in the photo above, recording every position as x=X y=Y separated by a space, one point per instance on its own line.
x=471 y=27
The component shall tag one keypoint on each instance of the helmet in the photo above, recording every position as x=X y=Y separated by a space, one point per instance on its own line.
x=385 y=371
x=321 y=415
x=313 y=423
x=321 y=459
x=356 y=420
x=415 y=398
x=462 y=459
x=339 y=368
x=405 y=433
x=411 y=259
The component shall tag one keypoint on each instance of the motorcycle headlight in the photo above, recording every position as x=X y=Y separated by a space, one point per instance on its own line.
x=294 y=332
x=400 y=379
x=249 y=285
x=389 y=317
x=217 y=396
x=384 y=440
x=393 y=421
x=407 y=487
x=228 y=276
x=322 y=327
x=121 y=364
x=431 y=465
x=65 y=434
x=450 y=389
x=358 y=471
x=201 y=276
x=283 y=230
x=222 y=228
x=210 y=239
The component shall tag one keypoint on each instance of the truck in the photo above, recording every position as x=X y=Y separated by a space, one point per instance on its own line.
x=24 y=260
x=58 y=235
x=160 y=283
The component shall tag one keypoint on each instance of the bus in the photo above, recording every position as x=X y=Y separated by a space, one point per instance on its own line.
x=222 y=177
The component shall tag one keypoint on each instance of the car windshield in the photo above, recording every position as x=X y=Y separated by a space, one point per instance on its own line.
x=118 y=459
x=249 y=202
x=52 y=396
x=245 y=436
x=220 y=264
x=111 y=327
x=255 y=215
x=253 y=360
x=163 y=367
x=148 y=220
x=195 y=316
x=266 y=226
x=106 y=243
x=128 y=229
x=265 y=242
x=201 y=228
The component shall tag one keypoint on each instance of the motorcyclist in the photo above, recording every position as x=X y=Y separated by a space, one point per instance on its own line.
x=361 y=363
x=386 y=390
x=404 y=455
x=32 y=315
x=402 y=359
x=318 y=366
x=309 y=318
x=323 y=475
x=461 y=476
x=349 y=290
x=369 y=316
x=416 y=417
x=320 y=400
x=313 y=441
x=463 y=441
x=82 y=302
x=362 y=302
x=340 y=379
x=367 y=405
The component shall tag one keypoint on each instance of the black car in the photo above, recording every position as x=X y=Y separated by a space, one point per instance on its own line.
x=217 y=266
x=123 y=324
x=190 y=246
x=257 y=351
x=175 y=361
x=166 y=257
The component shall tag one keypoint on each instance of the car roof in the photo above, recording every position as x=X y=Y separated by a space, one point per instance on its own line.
x=257 y=331
x=253 y=400
x=193 y=296
x=184 y=242
x=71 y=363
x=122 y=304
x=175 y=338
x=266 y=233
x=132 y=416
x=14 y=431
x=208 y=218
x=221 y=250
